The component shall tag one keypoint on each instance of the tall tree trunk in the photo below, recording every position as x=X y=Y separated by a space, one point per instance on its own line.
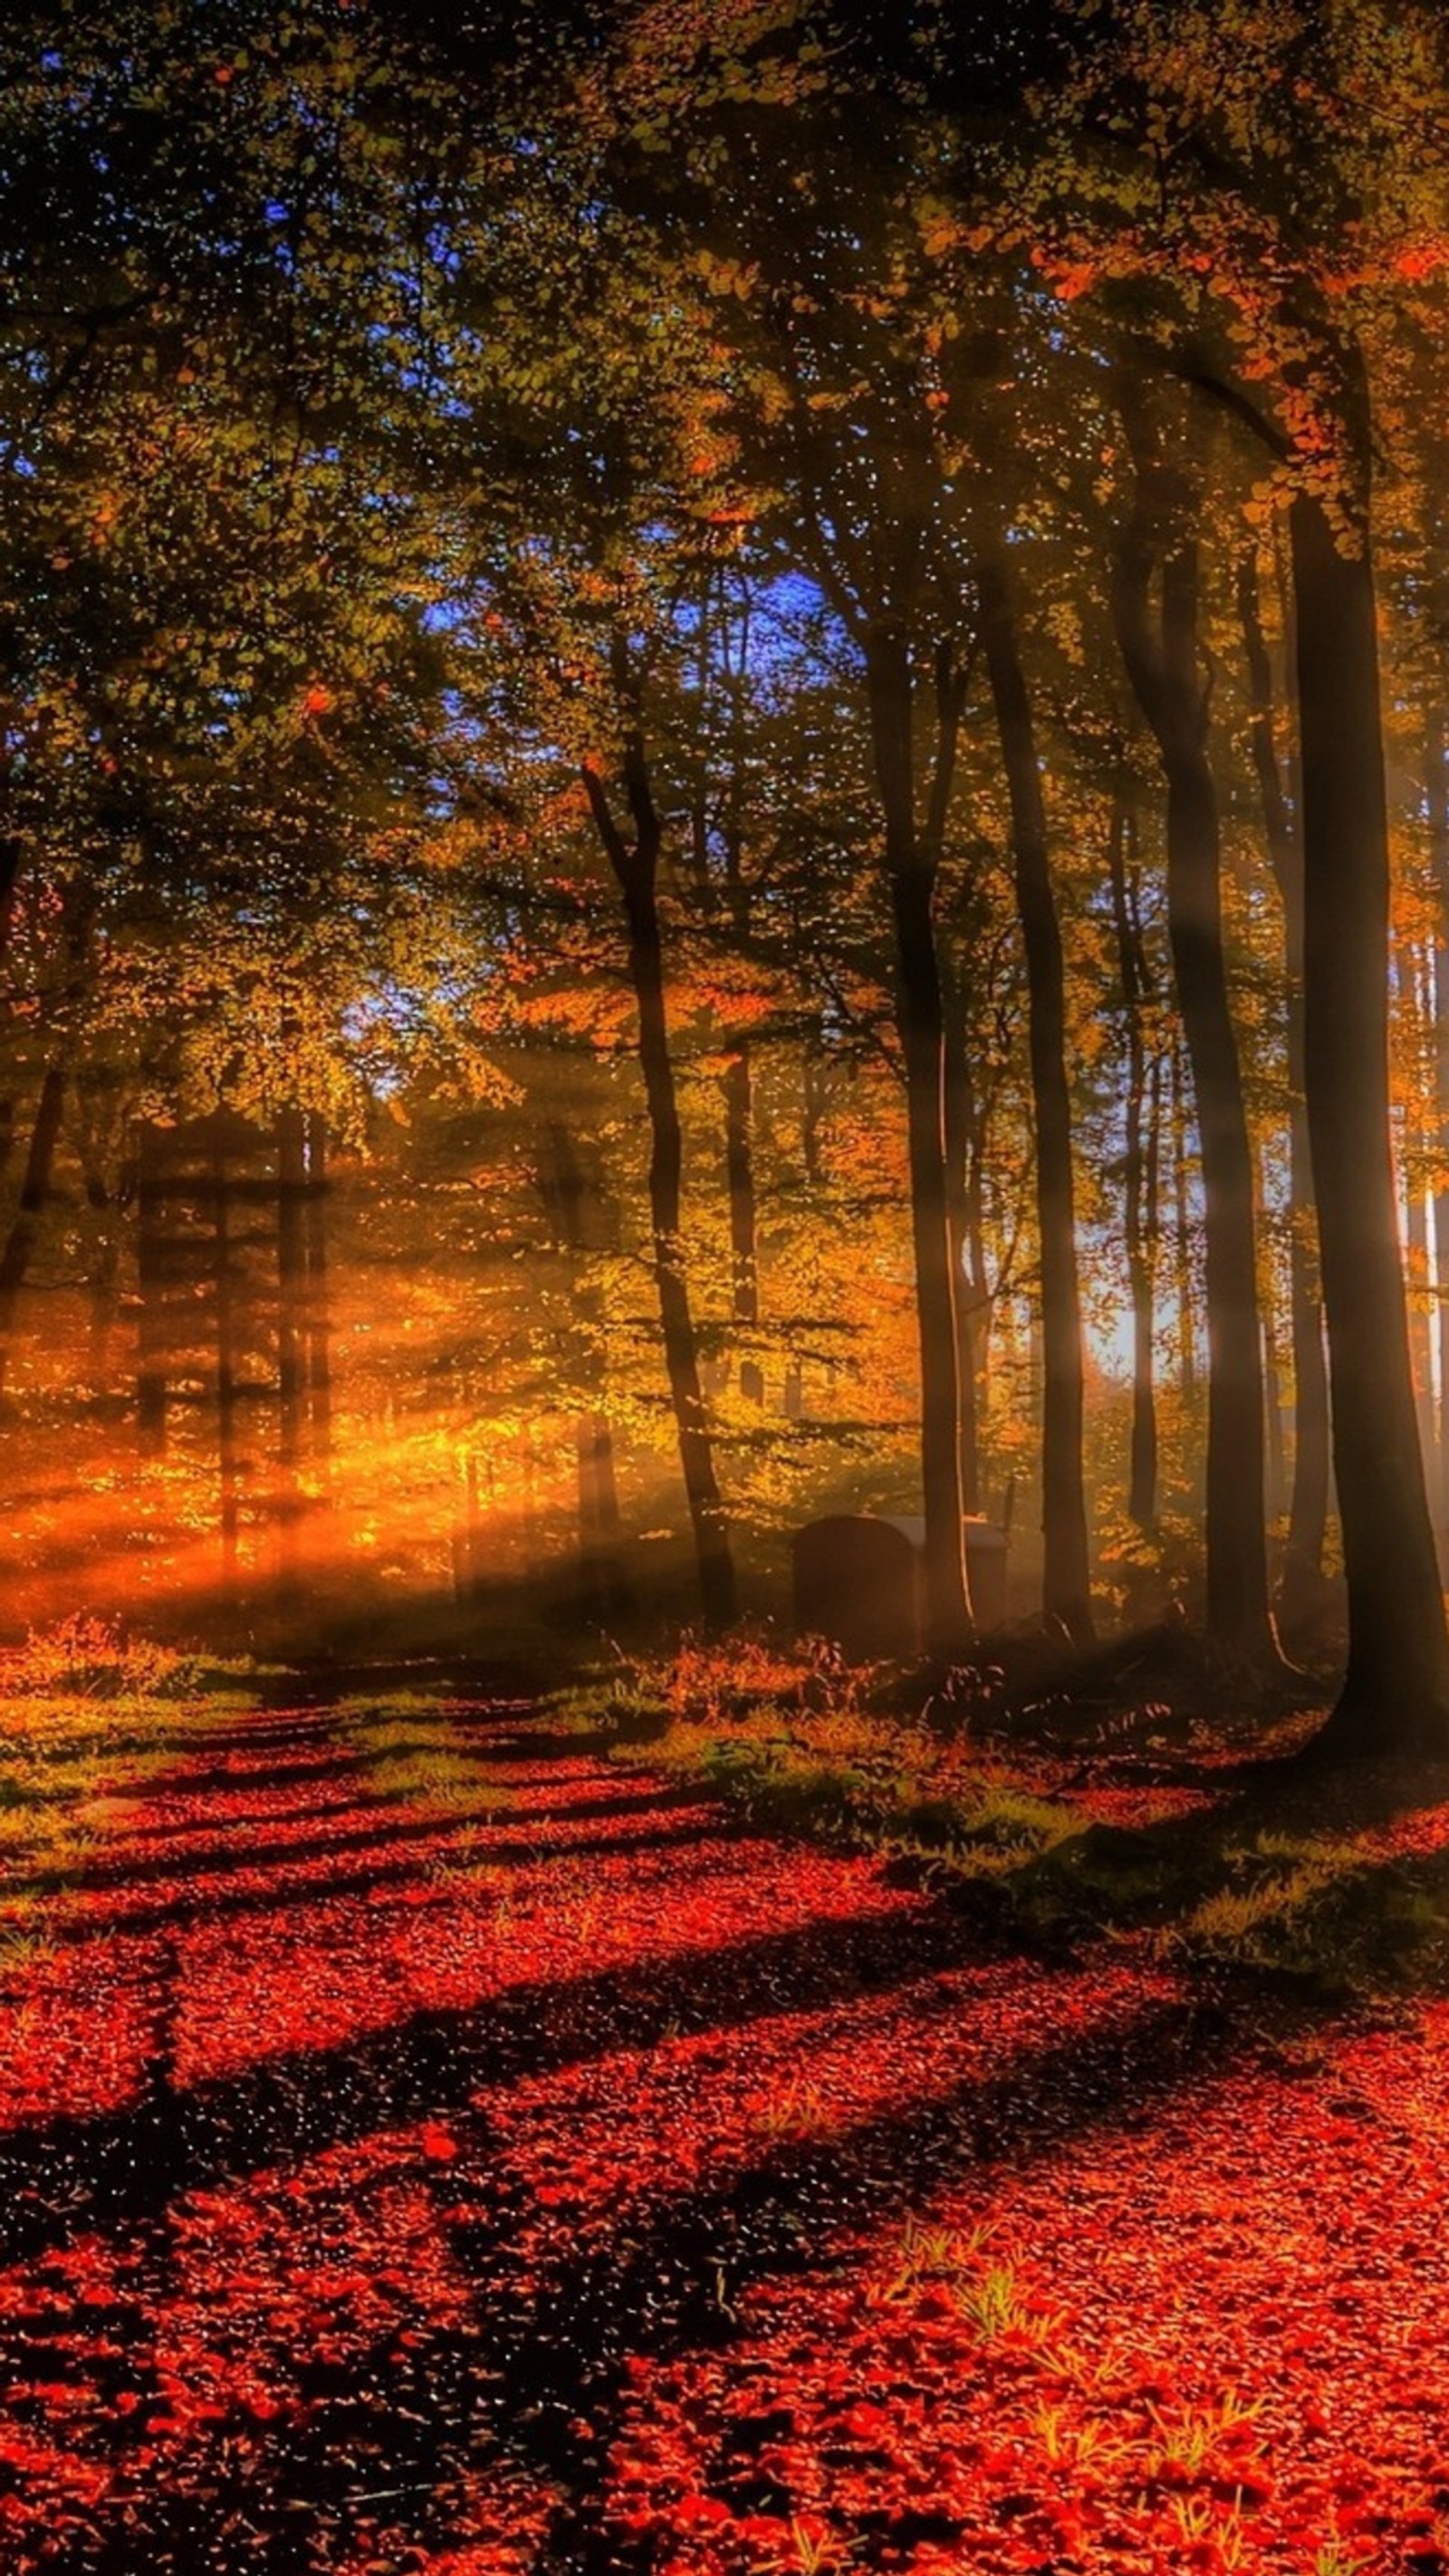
x=1163 y=664
x=740 y=1129
x=291 y=1331
x=1395 y=1692
x=152 y=1321
x=920 y=1019
x=1276 y=1483
x=1141 y=1166
x=636 y=868
x=740 y=1179
x=291 y=1278
x=604 y=1590
x=319 y=1321
x=1301 y=1588
x=964 y=1236
x=1436 y=750
x=108 y=1210
x=1416 y=982
x=740 y=1077
x=11 y=856
x=1416 y=1264
x=78 y=908
x=224 y=1285
x=573 y=1204
x=1066 y=1585
x=19 y=1246
x=12 y=853
x=1182 y=1234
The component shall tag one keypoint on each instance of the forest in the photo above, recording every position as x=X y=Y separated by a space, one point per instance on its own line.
x=724 y=1287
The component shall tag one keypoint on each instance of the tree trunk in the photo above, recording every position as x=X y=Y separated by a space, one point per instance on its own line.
x=11 y=855
x=77 y=916
x=291 y=1332
x=1438 y=797
x=1395 y=1693
x=291 y=1278
x=1141 y=1161
x=1416 y=1259
x=636 y=868
x=740 y=1078
x=740 y=1177
x=1182 y=1235
x=19 y=1247
x=964 y=1234
x=319 y=1321
x=152 y=1336
x=1066 y=1592
x=573 y=1204
x=1164 y=667
x=920 y=1020
x=1301 y=1588
x=224 y=1284
x=603 y=1587
x=104 y=1303
x=1277 y=1465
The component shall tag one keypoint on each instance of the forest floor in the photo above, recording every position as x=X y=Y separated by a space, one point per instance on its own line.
x=430 y=2144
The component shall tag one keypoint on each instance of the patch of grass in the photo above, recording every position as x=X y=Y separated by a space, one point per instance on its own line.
x=1084 y=2447
x=1186 y=2441
x=23 y=1950
x=808 y=2548
x=998 y=2306
x=798 y=2116
x=1212 y=2530
x=1324 y=1912
x=797 y=1748
x=858 y=1786
x=365 y=1708
x=621 y=1710
x=788 y=1791
x=414 y=1754
x=1253 y=1882
x=932 y=2254
x=85 y=1717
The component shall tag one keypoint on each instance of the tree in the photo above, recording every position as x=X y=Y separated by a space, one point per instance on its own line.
x=1163 y=660
x=1262 y=187
x=1066 y=1579
x=635 y=862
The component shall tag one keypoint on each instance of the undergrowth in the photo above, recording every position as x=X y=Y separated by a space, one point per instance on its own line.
x=796 y=1743
x=415 y=1750
x=86 y=1657
x=87 y=1715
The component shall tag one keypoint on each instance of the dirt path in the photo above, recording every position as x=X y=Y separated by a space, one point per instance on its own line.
x=565 y=2181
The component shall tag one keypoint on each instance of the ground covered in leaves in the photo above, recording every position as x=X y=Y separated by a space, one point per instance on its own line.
x=430 y=2145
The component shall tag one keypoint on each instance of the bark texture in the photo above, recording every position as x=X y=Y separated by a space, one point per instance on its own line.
x=1395 y=1693
x=1165 y=666
x=1066 y=1580
x=1301 y=1586
x=920 y=1018
x=635 y=862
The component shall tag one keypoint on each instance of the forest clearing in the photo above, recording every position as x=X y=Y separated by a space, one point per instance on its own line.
x=724 y=1287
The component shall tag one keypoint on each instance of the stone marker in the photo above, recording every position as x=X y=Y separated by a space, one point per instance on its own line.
x=858 y=1581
